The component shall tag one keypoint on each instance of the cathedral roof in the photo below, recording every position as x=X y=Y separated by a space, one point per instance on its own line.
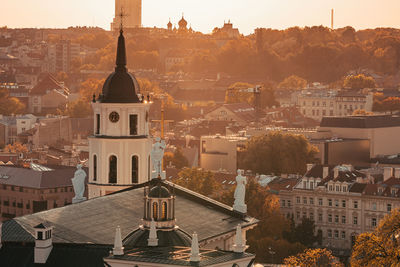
x=182 y=23
x=93 y=221
x=120 y=86
x=139 y=238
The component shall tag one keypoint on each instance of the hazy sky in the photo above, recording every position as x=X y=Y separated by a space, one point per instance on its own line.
x=204 y=15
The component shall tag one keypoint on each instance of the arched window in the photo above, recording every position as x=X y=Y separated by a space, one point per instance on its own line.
x=112 y=173
x=155 y=210
x=94 y=167
x=164 y=211
x=135 y=169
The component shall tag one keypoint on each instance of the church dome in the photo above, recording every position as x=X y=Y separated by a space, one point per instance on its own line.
x=159 y=192
x=139 y=238
x=182 y=23
x=169 y=25
x=120 y=86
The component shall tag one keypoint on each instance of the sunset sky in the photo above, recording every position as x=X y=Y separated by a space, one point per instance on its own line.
x=204 y=15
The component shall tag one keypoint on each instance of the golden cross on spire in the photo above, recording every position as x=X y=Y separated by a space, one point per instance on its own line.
x=122 y=15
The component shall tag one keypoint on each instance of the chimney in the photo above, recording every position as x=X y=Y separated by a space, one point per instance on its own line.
x=152 y=241
x=194 y=252
x=336 y=172
x=43 y=242
x=387 y=173
x=397 y=173
x=309 y=166
x=240 y=244
x=118 y=248
x=325 y=171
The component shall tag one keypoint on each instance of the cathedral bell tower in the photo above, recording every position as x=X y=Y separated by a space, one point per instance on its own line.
x=119 y=149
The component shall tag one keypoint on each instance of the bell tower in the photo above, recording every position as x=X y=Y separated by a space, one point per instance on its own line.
x=119 y=149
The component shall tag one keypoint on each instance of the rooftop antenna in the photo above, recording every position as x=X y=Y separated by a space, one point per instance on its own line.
x=332 y=19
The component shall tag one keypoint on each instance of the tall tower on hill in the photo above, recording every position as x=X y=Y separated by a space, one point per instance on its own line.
x=119 y=150
x=133 y=11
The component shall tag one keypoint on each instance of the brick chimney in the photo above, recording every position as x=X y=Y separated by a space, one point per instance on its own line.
x=325 y=171
x=387 y=173
x=43 y=242
x=336 y=172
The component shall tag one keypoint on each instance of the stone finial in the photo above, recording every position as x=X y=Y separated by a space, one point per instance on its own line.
x=153 y=240
x=240 y=244
x=118 y=248
x=194 y=253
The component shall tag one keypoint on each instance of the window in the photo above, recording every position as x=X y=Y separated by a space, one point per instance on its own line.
x=155 y=211
x=389 y=207
x=320 y=202
x=289 y=203
x=330 y=188
x=164 y=211
x=304 y=214
x=330 y=218
x=304 y=200
x=330 y=202
x=298 y=200
x=338 y=188
x=97 y=123
x=320 y=217
x=336 y=203
x=355 y=204
x=329 y=233
x=336 y=234
x=373 y=205
x=298 y=214
x=283 y=203
x=343 y=203
x=331 y=113
x=355 y=220
x=133 y=124
x=94 y=167
x=135 y=170
x=373 y=222
x=324 y=112
x=311 y=185
x=336 y=218
x=112 y=173
x=312 y=216
x=343 y=234
x=304 y=184
x=311 y=201
x=343 y=219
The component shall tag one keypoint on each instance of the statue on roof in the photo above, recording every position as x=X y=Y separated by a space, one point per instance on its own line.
x=157 y=154
x=241 y=181
x=78 y=182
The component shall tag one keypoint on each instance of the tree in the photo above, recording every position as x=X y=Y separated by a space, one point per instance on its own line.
x=382 y=246
x=277 y=153
x=177 y=159
x=197 y=180
x=362 y=112
x=62 y=76
x=17 y=147
x=10 y=105
x=293 y=82
x=91 y=87
x=359 y=82
x=319 y=257
x=78 y=109
x=303 y=233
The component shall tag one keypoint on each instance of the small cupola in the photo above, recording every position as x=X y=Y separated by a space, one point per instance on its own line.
x=43 y=242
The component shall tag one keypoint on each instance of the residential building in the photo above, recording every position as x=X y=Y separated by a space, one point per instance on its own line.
x=219 y=153
x=241 y=113
x=342 y=201
x=34 y=188
x=60 y=56
x=317 y=104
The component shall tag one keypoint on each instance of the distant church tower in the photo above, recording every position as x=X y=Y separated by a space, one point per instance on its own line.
x=119 y=150
x=133 y=11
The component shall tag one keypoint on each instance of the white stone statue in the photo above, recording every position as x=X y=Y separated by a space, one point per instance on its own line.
x=157 y=154
x=240 y=192
x=78 y=182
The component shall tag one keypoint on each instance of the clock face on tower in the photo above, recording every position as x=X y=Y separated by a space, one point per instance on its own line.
x=114 y=116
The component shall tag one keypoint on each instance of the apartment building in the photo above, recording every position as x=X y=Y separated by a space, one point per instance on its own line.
x=61 y=54
x=317 y=104
x=342 y=201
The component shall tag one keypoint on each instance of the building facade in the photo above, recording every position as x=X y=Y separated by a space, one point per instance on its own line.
x=60 y=56
x=342 y=201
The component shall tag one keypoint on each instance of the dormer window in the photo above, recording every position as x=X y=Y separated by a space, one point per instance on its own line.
x=344 y=188
x=393 y=191
x=330 y=187
x=380 y=190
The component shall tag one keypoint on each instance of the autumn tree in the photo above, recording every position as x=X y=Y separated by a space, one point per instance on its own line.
x=381 y=247
x=293 y=82
x=359 y=81
x=319 y=257
x=91 y=87
x=176 y=159
x=17 y=147
x=197 y=180
x=78 y=109
x=362 y=112
x=277 y=153
x=10 y=105
x=240 y=92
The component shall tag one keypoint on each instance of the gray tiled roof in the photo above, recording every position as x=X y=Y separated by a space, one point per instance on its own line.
x=94 y=221
x=377 y=121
